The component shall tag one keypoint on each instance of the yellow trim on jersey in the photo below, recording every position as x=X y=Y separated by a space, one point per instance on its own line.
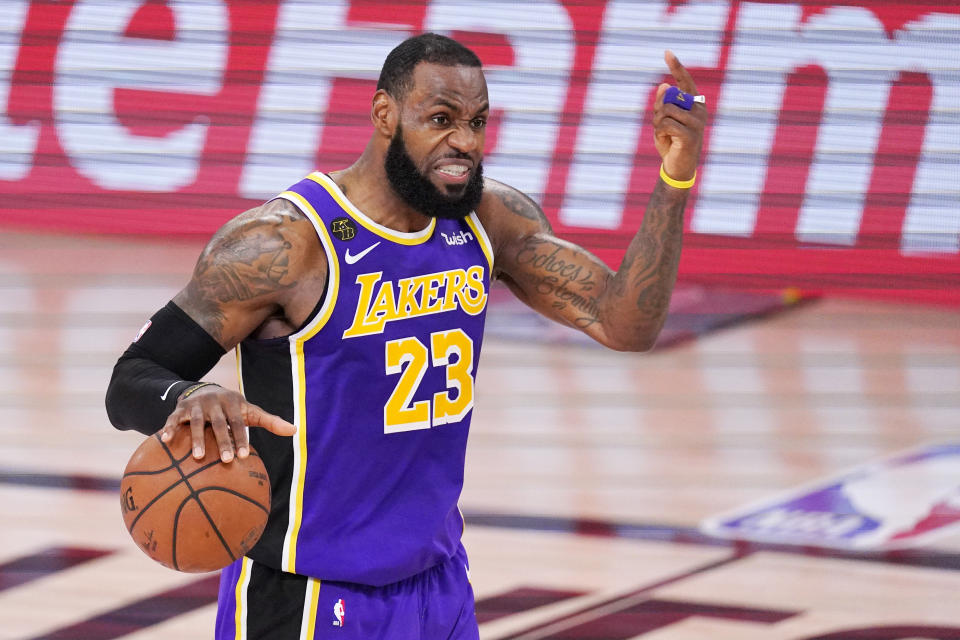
x=482 y=238
x=240 y=603
x=418 y=237
x=333 y=265
x=236 y=350
x=289 y=560
x=309 y=625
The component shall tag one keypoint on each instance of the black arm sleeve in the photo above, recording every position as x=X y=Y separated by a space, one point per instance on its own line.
x=171 y=354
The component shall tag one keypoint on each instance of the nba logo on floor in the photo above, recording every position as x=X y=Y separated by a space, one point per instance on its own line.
x=903 y=501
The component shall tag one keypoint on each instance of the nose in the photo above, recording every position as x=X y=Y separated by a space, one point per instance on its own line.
x=465 y=139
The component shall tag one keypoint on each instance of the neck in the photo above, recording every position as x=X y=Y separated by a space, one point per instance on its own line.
x=365 y=184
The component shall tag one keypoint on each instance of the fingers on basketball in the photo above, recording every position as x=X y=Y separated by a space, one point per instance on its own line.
x=193 y=515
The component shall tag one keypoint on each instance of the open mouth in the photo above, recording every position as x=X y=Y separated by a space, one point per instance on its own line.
x=455 y=173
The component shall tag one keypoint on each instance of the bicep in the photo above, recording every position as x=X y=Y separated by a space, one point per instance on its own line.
x=557 y=278
x=248 y=272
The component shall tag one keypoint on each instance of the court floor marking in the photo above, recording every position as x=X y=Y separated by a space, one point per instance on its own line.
x=142 y=613
x=163 y=606
x=652 y=532
x=34 y=566
x=616 y=604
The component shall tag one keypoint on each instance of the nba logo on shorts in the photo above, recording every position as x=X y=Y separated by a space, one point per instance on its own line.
x=338 y=612
x=903 y=501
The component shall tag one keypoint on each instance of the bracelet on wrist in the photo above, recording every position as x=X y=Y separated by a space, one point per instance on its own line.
x=194 y=388
x=678 y=184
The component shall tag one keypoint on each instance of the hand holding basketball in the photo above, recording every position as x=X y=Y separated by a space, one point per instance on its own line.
x=227 y=413
x=193 y=515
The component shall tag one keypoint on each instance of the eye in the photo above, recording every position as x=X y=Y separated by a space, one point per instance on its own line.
x=440 y=119
x=478 y=123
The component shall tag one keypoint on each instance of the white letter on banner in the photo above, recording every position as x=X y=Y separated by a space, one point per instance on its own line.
x=95 y=58
x=628 y=63
x=765 y=49
x=531 y=92
x=850 y=44
x=932 y=222
x=312 y=46
x=17 y=144
x=852 y=47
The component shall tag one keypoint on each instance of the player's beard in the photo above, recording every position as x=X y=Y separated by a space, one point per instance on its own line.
x=416 y=190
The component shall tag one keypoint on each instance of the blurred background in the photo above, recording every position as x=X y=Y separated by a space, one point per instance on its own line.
x=786 y=462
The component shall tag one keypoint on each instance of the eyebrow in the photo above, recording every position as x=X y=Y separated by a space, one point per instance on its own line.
x=453 y=107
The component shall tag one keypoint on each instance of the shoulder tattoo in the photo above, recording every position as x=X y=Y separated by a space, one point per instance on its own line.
x=250 y=257
x=520 y=204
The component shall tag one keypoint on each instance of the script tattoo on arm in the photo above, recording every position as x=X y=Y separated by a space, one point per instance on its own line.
x=248 y=261
x=624 y=310
x=566 y=282
x=558 y=278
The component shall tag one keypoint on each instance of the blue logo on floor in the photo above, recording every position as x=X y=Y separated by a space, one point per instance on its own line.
x=903 y=501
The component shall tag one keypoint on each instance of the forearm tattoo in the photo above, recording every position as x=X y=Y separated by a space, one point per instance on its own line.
x=649 y=268
x=570 y=284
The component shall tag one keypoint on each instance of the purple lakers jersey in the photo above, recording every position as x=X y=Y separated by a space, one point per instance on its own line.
x=380 y=383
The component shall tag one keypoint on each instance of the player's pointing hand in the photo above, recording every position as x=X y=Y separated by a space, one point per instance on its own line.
x=228 y=414
x=678 y=131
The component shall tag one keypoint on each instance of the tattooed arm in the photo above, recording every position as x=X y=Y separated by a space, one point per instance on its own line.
x=626 y=309
x=261 y=275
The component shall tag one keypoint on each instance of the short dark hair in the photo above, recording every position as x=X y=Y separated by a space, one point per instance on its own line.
x=396 y=76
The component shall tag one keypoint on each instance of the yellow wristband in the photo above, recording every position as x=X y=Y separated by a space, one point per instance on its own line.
x=679 y=184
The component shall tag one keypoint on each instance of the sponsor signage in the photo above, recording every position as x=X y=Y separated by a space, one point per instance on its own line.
x=832 y=161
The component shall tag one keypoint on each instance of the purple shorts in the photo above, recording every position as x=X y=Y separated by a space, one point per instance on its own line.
x=259 y=603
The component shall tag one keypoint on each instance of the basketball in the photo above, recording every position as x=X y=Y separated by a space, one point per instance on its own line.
x=193 y=515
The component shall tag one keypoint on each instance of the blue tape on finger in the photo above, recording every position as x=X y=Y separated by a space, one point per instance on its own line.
x=679 y=98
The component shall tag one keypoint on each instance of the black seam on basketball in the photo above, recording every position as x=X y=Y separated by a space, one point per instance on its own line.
x=174 y=464
x=149 y=504
x=175 y=461
x=146 y=473
x=155 y=472
x=176 y=522
x=183 y=478
x=235 y=493
x=193 y=494
x=203 y=468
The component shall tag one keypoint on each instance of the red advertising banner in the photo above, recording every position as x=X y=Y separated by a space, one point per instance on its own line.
x=832 y=161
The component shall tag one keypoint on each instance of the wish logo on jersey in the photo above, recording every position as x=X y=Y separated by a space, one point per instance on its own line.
x=454 y=239
x=388 y=301
x=902 y=501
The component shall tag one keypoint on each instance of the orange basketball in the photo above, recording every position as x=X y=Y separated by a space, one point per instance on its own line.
x=193 y=515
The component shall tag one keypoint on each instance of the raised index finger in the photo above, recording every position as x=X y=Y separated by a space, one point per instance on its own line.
x=680 y=73
x=257 y=417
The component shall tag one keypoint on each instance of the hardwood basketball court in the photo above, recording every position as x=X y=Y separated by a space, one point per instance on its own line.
x=589 y=472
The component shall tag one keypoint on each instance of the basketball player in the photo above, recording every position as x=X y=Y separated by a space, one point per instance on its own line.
x=356 y=302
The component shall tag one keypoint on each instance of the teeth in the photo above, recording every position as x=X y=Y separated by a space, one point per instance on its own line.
x=453 y=170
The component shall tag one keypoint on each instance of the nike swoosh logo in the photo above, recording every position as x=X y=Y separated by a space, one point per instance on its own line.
x=352 y=258
x=164 y=396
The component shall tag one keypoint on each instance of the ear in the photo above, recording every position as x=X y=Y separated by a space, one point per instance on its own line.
x=384 y=113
